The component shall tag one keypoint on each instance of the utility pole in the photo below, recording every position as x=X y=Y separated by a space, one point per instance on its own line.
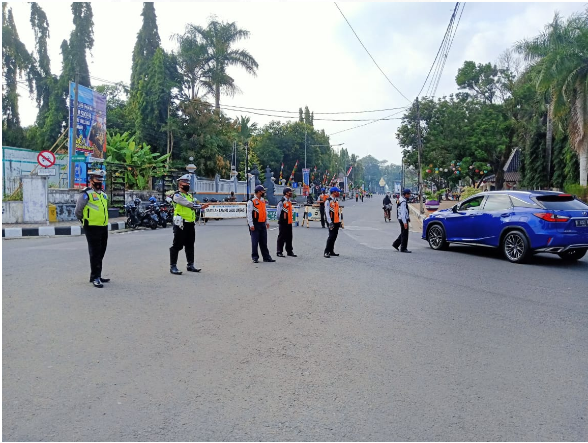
x=72 y=148
x=247 y=167
x=420 y=148
x=305 y=147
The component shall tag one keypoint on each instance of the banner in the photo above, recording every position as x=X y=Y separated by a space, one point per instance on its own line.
x=305 y=181
x=350 y=168
x=292 y=175
x=90 y=129
x=281 y=170
x=225 y=211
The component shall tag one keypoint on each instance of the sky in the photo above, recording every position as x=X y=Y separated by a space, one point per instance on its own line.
x=309 y=56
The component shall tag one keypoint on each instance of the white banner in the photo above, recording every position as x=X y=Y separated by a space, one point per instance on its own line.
x=225 y=211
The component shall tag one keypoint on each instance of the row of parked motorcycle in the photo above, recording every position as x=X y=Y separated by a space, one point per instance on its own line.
x=153 y=215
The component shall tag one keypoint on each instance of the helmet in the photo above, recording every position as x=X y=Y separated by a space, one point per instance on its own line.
x=334 y=189
x=287 y=189
x=97 y=174
x=388 y=193
x=323 y=189
x=185 y=177
x=259 y=188
x=137 y=201
x=406 y=191
x=152 y=199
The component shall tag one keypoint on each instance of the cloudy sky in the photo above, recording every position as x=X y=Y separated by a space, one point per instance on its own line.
x=309 y=56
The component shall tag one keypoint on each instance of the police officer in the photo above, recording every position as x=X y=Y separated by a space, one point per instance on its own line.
x=285 y=213
x=333 y=220
x=322 y=199
x=92 y=211
x=403 y=219
x=258 y=225
x=184 y=226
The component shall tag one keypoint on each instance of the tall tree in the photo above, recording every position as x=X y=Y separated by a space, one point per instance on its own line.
x=81 y=40
x=147 y=43
x=220 y=37
x=193 y=61
x=560 y=55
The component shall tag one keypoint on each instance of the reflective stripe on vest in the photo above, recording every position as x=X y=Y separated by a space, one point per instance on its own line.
x=96 y=210
x=259 y=211
x=287 y=209
x=187 y=214
x=334 y=210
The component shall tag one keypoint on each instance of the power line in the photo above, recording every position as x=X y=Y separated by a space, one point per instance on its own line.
x=228 y=108
x=320 y=113
x=374 y=121
x=370 y=54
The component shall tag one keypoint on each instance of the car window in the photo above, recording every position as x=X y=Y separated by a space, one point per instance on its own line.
x=518 y=203
x=561 y=202
x=472 y=204
x=498 y=202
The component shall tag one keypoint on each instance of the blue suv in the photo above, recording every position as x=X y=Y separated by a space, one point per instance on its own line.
x=520 y=223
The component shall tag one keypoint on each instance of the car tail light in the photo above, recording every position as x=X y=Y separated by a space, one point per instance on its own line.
x=554 y=218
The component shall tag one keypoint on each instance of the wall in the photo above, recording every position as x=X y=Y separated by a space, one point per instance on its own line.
x=12 y=212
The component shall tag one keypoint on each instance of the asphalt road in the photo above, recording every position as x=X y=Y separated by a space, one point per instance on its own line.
x=373 y=345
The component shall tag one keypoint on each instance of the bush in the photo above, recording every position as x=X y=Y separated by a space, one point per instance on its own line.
x=578 y=190
x=468 y=191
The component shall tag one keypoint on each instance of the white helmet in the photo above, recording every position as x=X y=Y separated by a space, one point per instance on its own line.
x=185 y=177
x=388 y=193
x=98 y=173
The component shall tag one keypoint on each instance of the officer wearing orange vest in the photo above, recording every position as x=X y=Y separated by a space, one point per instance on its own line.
x=322 y=199
x=258 y=225
x=333 y=220
x=284 y=211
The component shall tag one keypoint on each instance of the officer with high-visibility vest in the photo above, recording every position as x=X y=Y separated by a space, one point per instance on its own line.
x=322 y=199
x=333 y=220
x=285 y=213
x=184 y=226
x=258 y=225
x=92 y=211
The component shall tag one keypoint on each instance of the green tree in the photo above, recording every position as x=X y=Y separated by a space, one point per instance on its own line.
x=559 y=54
x=147 y=43
x=81 y=40
x=481 y=80
x=193 y=62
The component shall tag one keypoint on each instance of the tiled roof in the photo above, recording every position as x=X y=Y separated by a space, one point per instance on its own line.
x=513 y=163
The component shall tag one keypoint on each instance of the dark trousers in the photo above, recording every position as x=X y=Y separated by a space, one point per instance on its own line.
x=97 y=237
x=332 y=238
x=185 y=238
x=259 y=238
x=285 y=237
x=323 y=216
x=402 y=239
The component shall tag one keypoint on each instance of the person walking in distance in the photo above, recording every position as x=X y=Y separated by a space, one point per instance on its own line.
x=333 y=221
x=184 y=226
x=285 y=213
x=322 y=199
x=404 y=220
x=92 y=211
x=258 y=225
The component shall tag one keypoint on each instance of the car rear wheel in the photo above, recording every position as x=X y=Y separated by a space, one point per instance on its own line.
x=436 y=237
x=573 y=254
x=515 y=247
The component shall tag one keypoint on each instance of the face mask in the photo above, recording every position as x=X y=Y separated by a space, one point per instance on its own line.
x=97 y=185
x=185 y=188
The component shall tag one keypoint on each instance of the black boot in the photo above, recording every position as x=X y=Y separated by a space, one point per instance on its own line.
x=191 y=268
x=173 y=260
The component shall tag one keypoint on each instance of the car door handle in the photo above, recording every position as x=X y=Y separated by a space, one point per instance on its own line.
x=506 y=214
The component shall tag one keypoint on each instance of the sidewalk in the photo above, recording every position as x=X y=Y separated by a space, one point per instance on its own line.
x=11 y=230
x=414 y=209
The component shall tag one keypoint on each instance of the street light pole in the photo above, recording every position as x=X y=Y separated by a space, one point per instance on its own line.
x=420 y=148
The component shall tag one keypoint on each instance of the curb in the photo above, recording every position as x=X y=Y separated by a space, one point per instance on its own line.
x=53 y=230
x=420 y=217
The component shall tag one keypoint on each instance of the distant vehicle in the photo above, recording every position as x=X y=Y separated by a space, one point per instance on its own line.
x=519 y=223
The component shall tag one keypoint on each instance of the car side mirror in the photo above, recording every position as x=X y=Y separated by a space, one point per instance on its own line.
x=454 y=209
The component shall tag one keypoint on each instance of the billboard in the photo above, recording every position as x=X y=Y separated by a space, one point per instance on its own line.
x=305 y=181
x=90 y=129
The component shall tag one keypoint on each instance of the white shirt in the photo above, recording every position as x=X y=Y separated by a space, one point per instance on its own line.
x=403 y=214
x=250 y=210
x=328 y=209
x=281 y=206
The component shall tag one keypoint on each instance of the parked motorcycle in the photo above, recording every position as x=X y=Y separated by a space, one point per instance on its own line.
x=137 y=218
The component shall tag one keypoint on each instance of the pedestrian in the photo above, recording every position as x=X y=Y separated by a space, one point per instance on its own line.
x=92 y=211
x=404 y=220
x=322 y=199
x=356 y=196
x=258 y=225
x=232 y=197
x=361 y=195
x=333 y=220
x=285 y=213
x=184 y=226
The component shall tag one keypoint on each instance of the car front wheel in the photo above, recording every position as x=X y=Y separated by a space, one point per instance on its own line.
x=515 y=247
x=573 y=254
x=436 y=237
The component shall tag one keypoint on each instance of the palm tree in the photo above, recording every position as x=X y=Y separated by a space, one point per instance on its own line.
x=560 y=55
x=219 y=37
x=193 y=61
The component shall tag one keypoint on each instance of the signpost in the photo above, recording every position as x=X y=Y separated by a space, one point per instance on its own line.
x=78 y=158
x=46 y=159
x=45 y=171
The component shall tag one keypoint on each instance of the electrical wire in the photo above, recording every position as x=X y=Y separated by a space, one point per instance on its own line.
x=370 y=54
x=449 y=48
x=228 y=108
x=320 y=113
x=374 y=121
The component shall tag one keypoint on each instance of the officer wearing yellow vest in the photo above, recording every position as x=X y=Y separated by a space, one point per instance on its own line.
x=333 y=220
x=258 y=225
x=285 y=213
x=92 y=211
x=184 y=226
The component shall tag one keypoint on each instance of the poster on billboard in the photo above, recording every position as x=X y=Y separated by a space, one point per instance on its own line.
x=90 y=129
x=305 y=181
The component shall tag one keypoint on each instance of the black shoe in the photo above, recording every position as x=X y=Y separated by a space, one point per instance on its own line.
x=191 y=268
x=334 y=255
x=279 y=254
x=327 y=255
x=255 y=260
x=174 y=270
x=406 y=250
x=292 y=255
x=269 y=260
x=104 y=280
x=395 y=247
x=97 y=283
